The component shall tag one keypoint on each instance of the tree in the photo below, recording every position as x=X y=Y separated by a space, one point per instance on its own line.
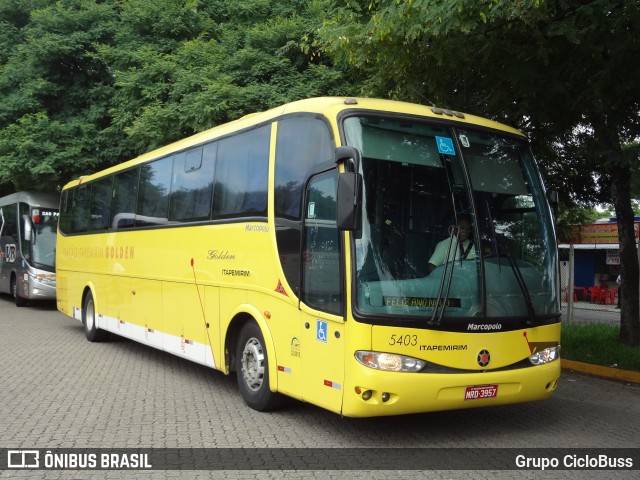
x=55 y=92
x=182 y=67
x=553 y=68
x=86 y=84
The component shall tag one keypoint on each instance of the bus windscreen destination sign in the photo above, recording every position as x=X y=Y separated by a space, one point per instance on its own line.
x=419 y=302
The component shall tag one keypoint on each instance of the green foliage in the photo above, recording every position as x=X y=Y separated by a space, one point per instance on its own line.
x=89 y=84
x=551 y=68
x=238 y=58
x=569 y=215
x=55 y=92
x=598 y=344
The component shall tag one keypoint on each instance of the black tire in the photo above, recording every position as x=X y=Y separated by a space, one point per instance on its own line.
x=91 y=330
x=20 y=301
x=252 y=370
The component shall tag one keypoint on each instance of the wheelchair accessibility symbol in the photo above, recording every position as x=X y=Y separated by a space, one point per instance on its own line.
x=321 y=331
x=445 y=145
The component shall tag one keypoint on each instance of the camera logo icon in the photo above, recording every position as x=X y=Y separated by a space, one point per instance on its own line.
x=23 y=459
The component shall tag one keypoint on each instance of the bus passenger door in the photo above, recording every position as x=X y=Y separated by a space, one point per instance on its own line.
x=322 y=337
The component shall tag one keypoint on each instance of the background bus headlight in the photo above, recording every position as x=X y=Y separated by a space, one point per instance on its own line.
x=389 y=362
x=44 y=278
x=545 y=356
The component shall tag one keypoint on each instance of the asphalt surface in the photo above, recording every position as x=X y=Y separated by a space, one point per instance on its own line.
x=61 y=391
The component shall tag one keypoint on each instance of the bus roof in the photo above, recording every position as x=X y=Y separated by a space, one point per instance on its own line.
x=36 y=199
x=330 y=107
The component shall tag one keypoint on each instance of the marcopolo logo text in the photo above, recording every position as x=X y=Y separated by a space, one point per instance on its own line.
x=484 y=327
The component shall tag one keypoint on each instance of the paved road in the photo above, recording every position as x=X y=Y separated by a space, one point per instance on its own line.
x=588 y=313
x=60 y=391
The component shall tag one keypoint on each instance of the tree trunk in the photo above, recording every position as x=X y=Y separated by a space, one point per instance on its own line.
x=629 y=304
x=612 y=156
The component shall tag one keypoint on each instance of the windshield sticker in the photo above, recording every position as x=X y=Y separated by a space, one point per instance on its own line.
x=419 y=302
x=445 y=145
x=464 y=140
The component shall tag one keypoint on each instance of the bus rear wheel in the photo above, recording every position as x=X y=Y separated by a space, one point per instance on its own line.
x=91 y=330
x=252 y=369
x=20 y=301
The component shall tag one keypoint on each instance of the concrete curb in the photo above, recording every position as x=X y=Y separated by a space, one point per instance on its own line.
x=627 y=376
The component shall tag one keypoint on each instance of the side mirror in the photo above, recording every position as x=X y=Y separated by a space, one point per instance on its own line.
x=349 y=208
x=349 y=201
x=349 y=153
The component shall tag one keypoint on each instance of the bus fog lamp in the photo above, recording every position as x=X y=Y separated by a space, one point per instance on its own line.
x=385 y=397
x=545 y=356
x=389 y=362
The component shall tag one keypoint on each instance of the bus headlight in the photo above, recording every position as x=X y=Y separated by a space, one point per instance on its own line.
x=545 y=356
x=390 y=362
x=44 y=278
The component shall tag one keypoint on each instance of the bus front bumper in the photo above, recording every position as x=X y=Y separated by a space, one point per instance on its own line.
x=39 y=290
x=377 y=393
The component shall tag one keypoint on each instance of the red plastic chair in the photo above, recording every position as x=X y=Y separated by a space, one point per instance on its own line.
x=591 y=293
x=602 y=294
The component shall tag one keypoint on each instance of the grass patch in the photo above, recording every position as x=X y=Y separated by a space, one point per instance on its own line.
x=598 y=344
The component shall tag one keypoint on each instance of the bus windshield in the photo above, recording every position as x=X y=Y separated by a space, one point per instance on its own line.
x=43 y=240
x=425 y=183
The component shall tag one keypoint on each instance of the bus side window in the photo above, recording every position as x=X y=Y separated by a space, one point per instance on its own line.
x=241 y=176
x=321 y=255
x=80 y=209
x=125 y=192
x=100 y=207
x=153 y=197
x=192 y=184
x=10 y=230
x=303 y=143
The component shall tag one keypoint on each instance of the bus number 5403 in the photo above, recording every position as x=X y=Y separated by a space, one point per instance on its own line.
x=405 y=340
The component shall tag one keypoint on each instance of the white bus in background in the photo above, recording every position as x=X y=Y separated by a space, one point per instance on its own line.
x=28 y=225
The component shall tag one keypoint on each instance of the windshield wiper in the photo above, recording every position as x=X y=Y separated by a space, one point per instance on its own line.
x=501 y=243
x=441 y=301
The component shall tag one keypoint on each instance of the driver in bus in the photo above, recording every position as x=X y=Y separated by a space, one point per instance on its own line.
x=466 y=249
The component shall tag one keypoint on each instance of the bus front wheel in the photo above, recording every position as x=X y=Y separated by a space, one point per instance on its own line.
x=20 y=301
x=252 y=369
x=91 y=330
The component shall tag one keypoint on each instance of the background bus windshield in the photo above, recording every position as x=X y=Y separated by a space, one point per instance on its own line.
x=43 y=241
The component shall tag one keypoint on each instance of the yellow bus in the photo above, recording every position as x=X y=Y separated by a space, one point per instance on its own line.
x=295 y=248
